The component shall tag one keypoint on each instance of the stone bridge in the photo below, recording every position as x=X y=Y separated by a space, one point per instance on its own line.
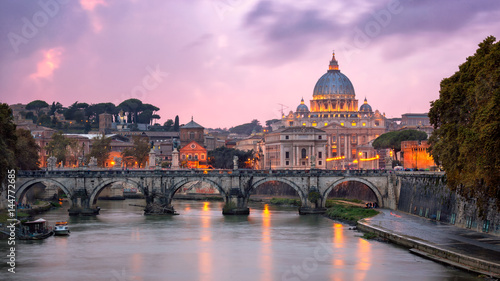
x=82 y=187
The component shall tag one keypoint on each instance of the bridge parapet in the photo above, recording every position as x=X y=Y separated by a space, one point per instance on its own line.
x=197 y=173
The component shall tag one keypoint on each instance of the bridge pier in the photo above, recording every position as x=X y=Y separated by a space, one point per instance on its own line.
x=158 y=203
x=236 y=203
x=81 y=204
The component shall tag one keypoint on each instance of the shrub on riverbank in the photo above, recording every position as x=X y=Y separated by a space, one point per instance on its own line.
x=351 y=214
x=286 y=202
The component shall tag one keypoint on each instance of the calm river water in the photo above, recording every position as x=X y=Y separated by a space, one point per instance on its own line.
x=201 y=244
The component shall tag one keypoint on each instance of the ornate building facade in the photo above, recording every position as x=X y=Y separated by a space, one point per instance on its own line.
x=296 y=148
x=349 y=129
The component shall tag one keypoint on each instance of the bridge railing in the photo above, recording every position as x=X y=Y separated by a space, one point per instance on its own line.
x=192 y=172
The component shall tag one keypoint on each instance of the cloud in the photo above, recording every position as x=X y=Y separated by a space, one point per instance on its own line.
x=50 y=62
x=288 y=31
x=91 y=4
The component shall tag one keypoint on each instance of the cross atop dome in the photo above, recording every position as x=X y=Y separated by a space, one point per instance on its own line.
x=334 y=65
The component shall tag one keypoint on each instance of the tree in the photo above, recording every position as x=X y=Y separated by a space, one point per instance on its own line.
x=100 y=149
x=92 y=112
x=168 y=125
x=7 y=141
x=222 y=157
x=59 y=145
x=393 y=140
x=132 y=107
x=37 y=105
x=176 y=123
x=139 y=152
x=55 y=107
x=466 y=120
x=27 y=157
x=247 y=128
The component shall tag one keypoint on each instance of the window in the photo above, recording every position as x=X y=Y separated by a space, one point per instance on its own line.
x=287 y=137
x=287 y=154
x=203 y=157
x=290 y=123
x=353 y=123
x=191 y=135
x=303 y=153
x=183 y=157
x=320 y=137
x=320 y=163
x=364 y=124
x=287 y=163
x=190 y=157
x=320 y=154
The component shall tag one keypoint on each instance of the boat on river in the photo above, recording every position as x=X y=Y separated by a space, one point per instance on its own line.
x=35 y=230
x=61 y=228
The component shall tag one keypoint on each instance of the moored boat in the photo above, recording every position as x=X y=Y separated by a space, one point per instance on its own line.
x=35 y=230
x=61 y=228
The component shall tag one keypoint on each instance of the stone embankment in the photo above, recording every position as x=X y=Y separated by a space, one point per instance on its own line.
x=462 y=248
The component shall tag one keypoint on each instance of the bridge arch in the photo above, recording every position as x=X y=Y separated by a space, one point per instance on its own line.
x=21 y=191
x=361 y=180
x=179 y=184
x=299 y=191
x=101 y=186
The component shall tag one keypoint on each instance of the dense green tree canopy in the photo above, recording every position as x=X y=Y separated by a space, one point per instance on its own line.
x=26 y=151
x=18 y=149
x=7 y=141
x=466 y=119
x=393 y=140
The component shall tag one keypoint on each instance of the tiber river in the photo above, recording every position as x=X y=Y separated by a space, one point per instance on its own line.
x=272 y=243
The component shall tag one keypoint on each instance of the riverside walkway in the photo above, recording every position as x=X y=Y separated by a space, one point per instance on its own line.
x=463 y=248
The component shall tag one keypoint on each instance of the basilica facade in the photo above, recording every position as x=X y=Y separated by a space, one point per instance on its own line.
x=349 y=129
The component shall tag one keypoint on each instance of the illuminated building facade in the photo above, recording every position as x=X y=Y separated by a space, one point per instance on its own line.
x=349 y=129
x=192 y=152
x=415 y=155
x=193 y=156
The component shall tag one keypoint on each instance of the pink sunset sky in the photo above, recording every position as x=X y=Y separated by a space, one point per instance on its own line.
x=227 y=62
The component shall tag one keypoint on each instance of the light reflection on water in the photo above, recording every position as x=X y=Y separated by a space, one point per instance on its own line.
x=201 y=244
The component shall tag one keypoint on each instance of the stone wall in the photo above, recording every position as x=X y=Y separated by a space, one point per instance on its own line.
x=427 y=196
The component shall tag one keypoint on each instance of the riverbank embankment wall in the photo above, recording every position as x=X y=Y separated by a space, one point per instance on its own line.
x=428 y=196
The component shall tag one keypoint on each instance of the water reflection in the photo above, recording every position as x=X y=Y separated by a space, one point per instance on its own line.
x=204 y=255
x=136 y=265
x=266 y=251
x=202 y=244
x=363 y=258
x=338 y=243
